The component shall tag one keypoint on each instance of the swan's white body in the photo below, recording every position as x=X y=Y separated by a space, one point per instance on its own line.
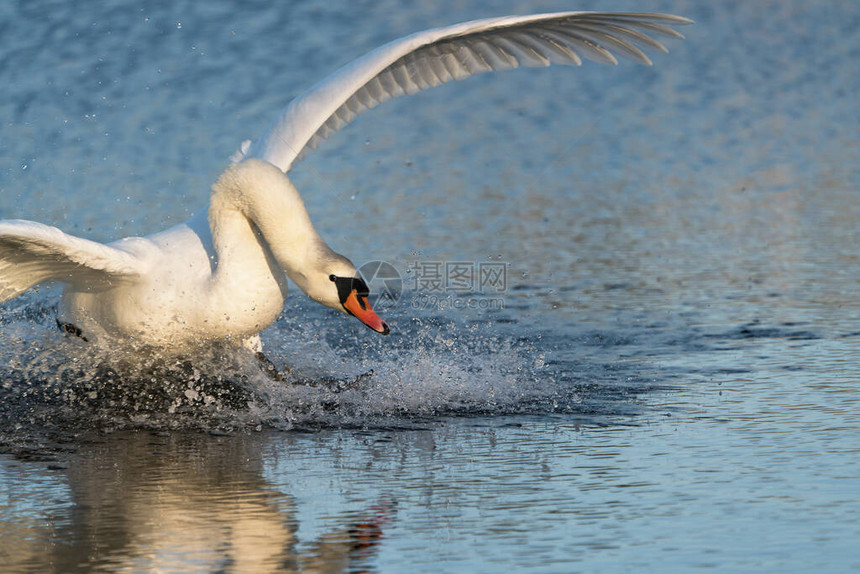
x=222 y=275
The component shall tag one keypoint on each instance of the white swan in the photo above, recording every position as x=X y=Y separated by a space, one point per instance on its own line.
x=222 y=274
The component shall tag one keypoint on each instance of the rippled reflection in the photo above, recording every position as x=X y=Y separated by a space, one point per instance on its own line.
x=152 y=502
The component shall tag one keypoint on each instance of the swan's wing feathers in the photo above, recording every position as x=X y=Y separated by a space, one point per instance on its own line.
x=31 y=253
x=442 y=55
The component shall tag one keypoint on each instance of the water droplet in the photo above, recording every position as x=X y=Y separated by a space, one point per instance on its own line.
x=179 y=25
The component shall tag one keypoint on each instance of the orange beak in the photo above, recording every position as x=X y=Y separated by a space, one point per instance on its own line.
x=359 y=308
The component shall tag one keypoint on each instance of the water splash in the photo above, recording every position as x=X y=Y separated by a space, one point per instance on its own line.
x=429 y=372
x=52 y=384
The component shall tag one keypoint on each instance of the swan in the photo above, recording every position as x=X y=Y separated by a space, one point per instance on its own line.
x=222 y=275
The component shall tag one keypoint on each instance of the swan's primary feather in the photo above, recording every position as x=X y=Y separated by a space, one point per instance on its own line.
x=31 y=253
x=441 y=55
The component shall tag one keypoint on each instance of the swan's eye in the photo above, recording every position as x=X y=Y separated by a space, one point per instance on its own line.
x=332 y=277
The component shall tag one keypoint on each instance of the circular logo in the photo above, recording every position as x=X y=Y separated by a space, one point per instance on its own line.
x=386 y=285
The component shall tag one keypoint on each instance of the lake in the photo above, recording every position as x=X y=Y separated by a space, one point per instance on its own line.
x=623 y=301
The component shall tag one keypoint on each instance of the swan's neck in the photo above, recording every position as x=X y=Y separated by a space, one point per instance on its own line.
x=258 y=219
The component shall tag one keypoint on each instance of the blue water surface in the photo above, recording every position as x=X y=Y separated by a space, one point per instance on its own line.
x=666 y=380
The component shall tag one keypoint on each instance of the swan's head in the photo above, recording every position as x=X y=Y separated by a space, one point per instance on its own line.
x=338 y=285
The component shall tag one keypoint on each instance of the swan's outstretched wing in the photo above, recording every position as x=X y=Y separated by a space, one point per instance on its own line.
x=31 y=253
x=441 y=55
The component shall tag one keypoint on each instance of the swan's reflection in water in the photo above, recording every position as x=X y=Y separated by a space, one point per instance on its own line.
x=184 y=503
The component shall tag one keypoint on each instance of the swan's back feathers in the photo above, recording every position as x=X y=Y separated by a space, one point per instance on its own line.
x=441 y=55
x=31 y=253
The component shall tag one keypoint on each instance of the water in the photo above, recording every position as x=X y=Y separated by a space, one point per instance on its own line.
x=670 y=383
